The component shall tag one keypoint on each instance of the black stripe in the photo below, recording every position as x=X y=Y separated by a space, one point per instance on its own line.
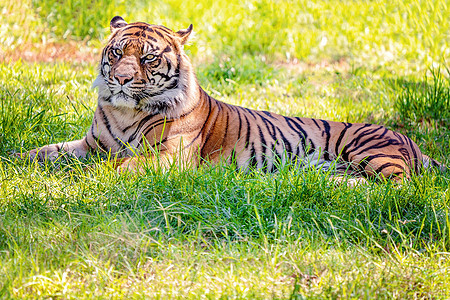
x=138 y=128
x=364 y=136
x=341 y=136
x=151 y=38
x=253 y=160
x=406 y=157
x=435 y=163
x=263 y=148
x=287 y=145
x=247 y=137
x=379 y=145
x=145 y=27
x=166 y=77
x=160 y=34
x=353 y=143
x=268 y=114
x=193 y=140
x=276 y=156
x=89 y=145
x=219 y=105
x=226 y=127
x=108 y=127
x=389 y=164
x=153 y=126
x=165 y=29
x=326 y=125
x=362 y=127
x=208 y=135
x=204 y=123
x=312 y=148
x=128 y=127
x=167 y=49
x=387 y=141
x=299 y=130
x=397 y=173
x=169 y=65
x=300 y=120
x=317 y=125
x=189 y=112
x=240 y=122
x=370 y=139
x=416 y=157
x=250 y=112
x=127 y=34
x=177 y=69
x=267 y=123
x=108 y=99
x=365 y=162
x=399 y=136
x=393 y=156
x=100 y=143
x=173 y=85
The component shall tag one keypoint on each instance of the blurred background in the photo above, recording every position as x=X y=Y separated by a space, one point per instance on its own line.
x=399 y=35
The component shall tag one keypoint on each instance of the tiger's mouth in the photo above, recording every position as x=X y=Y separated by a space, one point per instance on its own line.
x=118 y=95
x=123 y=95
x=123 y=99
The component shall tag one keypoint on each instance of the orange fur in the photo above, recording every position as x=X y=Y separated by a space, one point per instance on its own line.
x=149 y=97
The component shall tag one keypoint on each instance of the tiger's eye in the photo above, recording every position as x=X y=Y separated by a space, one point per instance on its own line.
x=117 y=52
x=148 y=58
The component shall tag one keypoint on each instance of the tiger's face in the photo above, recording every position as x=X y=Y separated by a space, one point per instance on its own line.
x=142 y=67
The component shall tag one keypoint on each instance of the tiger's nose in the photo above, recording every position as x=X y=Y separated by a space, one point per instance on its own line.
x=123 y=79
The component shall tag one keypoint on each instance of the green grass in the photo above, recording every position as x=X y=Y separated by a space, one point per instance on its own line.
x=77 y=229
x=426 y=100
x=74 y=18
x=218 y=232
x=401 y=37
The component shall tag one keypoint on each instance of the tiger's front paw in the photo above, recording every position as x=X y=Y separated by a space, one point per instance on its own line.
x=129 y=165
x=49 y=152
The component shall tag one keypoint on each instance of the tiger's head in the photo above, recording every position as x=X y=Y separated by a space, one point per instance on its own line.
x=144 y=67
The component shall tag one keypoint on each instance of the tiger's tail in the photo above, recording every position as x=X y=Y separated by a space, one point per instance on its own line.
x=428 y=163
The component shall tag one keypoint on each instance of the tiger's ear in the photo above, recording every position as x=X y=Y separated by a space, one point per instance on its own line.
x=183 y=34
x=116 y=23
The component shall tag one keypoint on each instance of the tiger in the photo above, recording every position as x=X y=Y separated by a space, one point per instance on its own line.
x=149 y=97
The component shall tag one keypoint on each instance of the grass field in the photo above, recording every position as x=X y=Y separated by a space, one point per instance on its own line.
x=67 y=231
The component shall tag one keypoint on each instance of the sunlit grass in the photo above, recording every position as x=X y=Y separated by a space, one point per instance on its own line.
x=73 y=233
x=77 y=229
x=403 y=37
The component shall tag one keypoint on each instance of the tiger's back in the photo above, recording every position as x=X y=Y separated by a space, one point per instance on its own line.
x=262 y=139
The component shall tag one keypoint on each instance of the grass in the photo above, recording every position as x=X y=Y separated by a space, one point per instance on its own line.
x=426 y=100
x=219 y=232
x=67 y=231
